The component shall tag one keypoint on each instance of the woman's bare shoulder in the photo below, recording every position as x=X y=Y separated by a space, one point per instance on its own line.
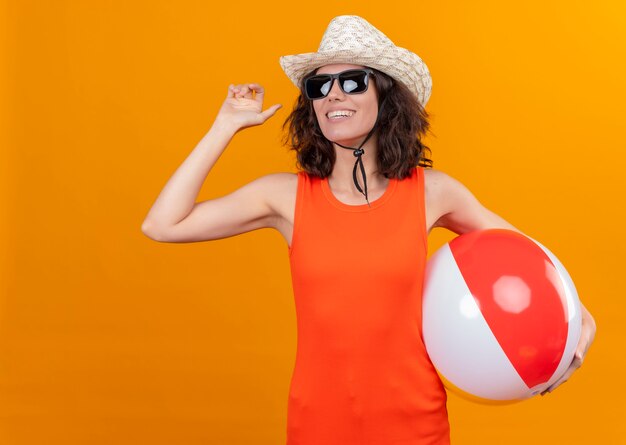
x=441 y=182
x=433 y=177
x=438 y=182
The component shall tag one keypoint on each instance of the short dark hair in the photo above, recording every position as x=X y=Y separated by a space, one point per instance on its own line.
x=400 y=129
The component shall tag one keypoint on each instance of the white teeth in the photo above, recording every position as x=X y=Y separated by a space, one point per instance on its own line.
x=338 y=113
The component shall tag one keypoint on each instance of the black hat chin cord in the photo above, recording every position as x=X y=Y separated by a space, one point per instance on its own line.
x=358 y=152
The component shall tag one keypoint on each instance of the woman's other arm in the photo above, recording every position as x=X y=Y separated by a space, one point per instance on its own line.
x=461 y=212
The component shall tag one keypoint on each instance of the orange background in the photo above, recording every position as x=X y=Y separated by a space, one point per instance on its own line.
x=109 y=337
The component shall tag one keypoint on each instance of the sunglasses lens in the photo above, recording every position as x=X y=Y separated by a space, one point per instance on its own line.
x=354 y=81
x=318 y=86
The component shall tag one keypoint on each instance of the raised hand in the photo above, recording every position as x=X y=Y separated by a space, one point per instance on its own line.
x=243 y=107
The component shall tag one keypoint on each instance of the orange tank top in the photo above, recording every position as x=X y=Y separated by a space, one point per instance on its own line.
x=362 y=375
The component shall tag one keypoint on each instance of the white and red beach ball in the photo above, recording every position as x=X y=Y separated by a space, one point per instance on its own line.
x=501 y=316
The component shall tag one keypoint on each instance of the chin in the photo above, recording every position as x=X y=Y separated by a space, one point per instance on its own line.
x=348 y=138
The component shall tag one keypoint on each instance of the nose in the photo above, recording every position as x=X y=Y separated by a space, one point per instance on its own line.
x=335 y=91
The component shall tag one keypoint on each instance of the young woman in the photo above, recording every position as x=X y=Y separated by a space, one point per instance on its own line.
x=356 y=219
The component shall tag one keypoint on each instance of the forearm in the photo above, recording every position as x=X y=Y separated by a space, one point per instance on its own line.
x=179 y=195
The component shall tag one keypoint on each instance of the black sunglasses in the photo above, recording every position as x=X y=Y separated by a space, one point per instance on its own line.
x=354 y=81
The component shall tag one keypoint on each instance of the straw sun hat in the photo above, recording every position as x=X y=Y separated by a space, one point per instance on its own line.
x=352 y=39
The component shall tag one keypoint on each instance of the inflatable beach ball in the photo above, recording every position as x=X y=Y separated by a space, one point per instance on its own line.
x=501 y=316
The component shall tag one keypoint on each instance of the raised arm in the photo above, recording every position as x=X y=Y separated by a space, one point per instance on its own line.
x=176 y=217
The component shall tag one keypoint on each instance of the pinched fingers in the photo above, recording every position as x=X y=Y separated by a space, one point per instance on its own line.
x=233 y=90
x=245 y=105
x=258 y=90
x=246 y=90
x=242 y=91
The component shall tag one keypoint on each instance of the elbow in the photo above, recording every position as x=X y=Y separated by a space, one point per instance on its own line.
x=148 y=229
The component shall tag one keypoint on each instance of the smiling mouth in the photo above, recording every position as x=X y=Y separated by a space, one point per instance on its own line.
x=344 y=114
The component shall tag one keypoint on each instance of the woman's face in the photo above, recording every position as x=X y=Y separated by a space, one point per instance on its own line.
x=349 y=130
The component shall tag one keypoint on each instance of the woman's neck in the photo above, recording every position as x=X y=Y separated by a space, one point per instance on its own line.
x=341 y=178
